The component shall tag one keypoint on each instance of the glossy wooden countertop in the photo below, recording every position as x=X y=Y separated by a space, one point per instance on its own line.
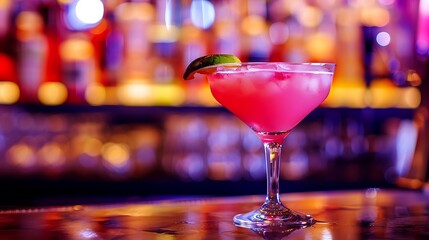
x=366 y=214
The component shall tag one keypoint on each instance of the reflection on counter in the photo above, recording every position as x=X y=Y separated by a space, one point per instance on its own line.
x=352 y=215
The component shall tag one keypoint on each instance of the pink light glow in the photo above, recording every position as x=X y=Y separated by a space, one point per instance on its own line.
x=423 y=28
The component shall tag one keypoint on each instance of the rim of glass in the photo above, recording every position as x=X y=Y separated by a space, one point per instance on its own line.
x=230 y=67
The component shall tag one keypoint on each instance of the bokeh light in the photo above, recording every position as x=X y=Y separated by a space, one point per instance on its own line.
x=9 y=92
x=202 y=13
x=254 y=25
x=135 y=92
x=279 y=32
x=375 y=16
x=89 y=11
x=116 y=156
x=383 y=39
x=95 y=94
x=84 y=14
x=310 y=16
x=52 y=155
x=76 y=48
x=52 y=93
x=22 y=155
x=411 y=98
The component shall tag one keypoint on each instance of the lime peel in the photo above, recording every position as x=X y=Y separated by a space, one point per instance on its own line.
x=206 y=64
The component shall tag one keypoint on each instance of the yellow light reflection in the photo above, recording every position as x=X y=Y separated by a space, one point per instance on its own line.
x=326 y=234
x=135 y=11
x=320 y=46
x=76 y=48
x=224 y=28
x=9 y=92
x=4 y=3
x=310 y=16
x=64 y=2
x=52 y=154
x=165 y=237
x=346 y=96
x=383 y=94
x=22 y=155
x=411 y=97
x=346 y=17
x=204 y=96
x=92 y=146
x=191 y=33
x=409 y=183
x=84 y=144
x=52 y=93
x=413 y=78
x=169 y=94
x=375 y=16
x=135 y=93
x=160 y=33
x=141 y=93
x=28 y=24
x=115 y=154
x=254 y=25
x=95 y=94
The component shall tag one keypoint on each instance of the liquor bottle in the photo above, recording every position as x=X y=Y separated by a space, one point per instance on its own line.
x=135 y=19
x=5 y=12
x=228 y=37
x=194 y=43
x=78 y=65
x=32 y=53
x=256 y=43
x=9 y=90
x=113 y=55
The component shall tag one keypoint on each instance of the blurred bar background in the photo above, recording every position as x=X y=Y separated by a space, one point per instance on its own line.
x=92 y=100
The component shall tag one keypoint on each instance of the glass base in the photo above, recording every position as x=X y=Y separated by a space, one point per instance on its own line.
x=280 y=218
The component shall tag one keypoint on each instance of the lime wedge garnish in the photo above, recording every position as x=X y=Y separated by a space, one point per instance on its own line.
x=202 y=64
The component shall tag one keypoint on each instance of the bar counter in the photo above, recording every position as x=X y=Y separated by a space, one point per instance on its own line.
x=351 y=214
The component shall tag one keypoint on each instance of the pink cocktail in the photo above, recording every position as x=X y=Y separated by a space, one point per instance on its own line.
x=271 y=98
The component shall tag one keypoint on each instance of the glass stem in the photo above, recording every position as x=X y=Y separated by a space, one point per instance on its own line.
x=272 y=156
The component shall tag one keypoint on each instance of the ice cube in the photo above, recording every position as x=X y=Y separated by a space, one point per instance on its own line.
x=247 y=86
x=284 y=66
x=312 y=84
x=260 y=67
x=304 y=67
x=270 y=87
x=282 y=79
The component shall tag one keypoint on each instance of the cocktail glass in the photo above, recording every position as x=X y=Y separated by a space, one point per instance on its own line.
x=271 y=98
